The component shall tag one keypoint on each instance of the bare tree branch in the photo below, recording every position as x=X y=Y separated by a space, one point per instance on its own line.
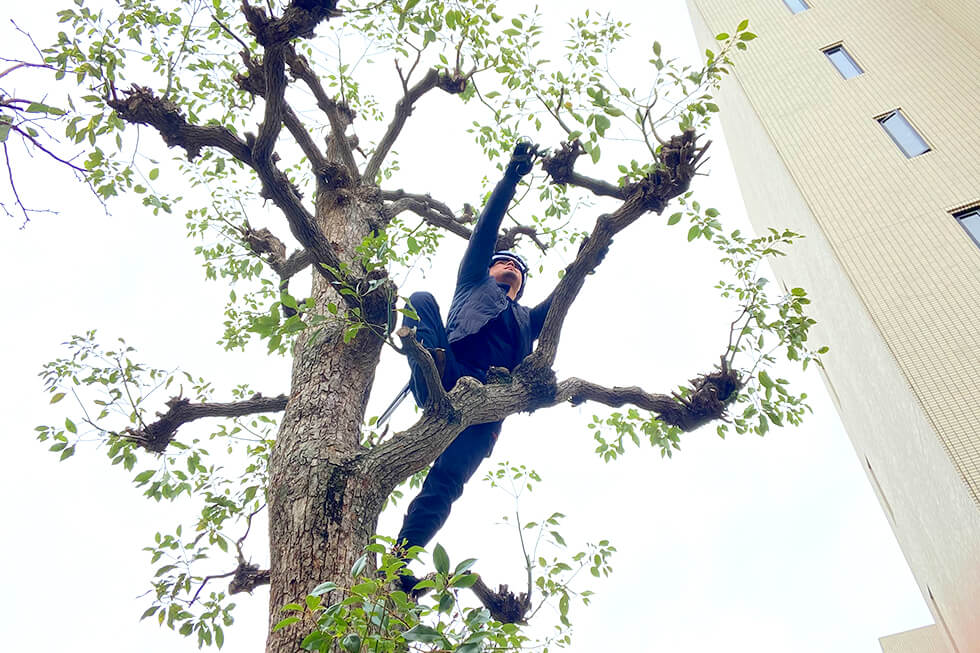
x=421 y=357
x=560 y=167
x=427 y=209
x=671 y=177
x=51 y=154
x=706 y=402
x=276 y=186
x=264 y=243
x=502 y=604
x=141 y=107
x=247 y=578
x=527 y=389
x=254 y=83
x=298 y=20
x=339 y=115
x=158 y=435
x=455 y=83
x=439 y=215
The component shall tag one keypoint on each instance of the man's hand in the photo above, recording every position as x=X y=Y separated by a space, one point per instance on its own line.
x=522 y=159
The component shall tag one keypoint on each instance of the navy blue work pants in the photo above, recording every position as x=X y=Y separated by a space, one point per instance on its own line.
x=444 y=483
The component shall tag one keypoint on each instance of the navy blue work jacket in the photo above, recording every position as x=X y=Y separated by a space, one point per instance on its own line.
x=478 y=298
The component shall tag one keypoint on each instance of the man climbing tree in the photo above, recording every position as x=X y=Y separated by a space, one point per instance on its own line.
x=487 y=328
x=314 y=154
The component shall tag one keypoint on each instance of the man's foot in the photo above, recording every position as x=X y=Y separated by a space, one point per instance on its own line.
x=407 y=582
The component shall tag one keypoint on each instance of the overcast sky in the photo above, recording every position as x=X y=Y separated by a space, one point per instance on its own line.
x=750 y=544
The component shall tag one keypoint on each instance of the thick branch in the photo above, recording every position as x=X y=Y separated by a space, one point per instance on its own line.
x=275 y=185
x=671 y=177
x=455 y=83
x=254 y=82
x=156 y=436
x=247 y=578
x=141 y=107
x=421 y=357
x=339 y=115
x=264 y=243
x=503 y=605
x=298 y=20
x=427 y=209
x=530 y=388
x=707 y=400
x=560 y=166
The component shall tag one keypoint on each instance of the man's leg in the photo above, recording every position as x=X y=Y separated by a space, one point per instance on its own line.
x=444 y=484
x=430 y=332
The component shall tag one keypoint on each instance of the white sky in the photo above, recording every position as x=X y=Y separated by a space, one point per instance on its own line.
x=751 y=544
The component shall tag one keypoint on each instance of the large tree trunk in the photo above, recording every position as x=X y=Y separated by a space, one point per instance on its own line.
x=323 y=504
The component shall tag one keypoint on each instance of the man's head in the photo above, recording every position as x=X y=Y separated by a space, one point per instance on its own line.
x=511 y=269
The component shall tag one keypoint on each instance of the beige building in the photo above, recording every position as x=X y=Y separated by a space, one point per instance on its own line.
x=857 y=123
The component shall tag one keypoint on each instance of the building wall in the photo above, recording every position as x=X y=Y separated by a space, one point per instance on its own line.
x=893 y=276
x=921 y=640
x=962 y=17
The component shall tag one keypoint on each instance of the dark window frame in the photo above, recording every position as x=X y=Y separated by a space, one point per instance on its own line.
x=839 y=48
x=968 y=212
x=883 y=120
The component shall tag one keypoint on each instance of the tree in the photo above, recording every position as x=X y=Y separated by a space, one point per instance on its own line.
x=328 y=474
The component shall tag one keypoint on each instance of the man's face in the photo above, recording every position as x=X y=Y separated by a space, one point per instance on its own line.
x=506 y=271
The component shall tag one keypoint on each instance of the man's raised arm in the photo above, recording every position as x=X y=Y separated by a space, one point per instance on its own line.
x=476 y=261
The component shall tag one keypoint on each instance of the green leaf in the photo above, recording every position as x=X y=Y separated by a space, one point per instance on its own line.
x=359 y=565
x=764 y=379
x=466 y=580
x=693 y=233
x=70 y=425
x=154 y=173
x=464 y=566
x=675 y=218
x=424 y=634
x=4 y=131
x=656 y=48
x=446 y=603
x=288 y=621
x=143 y=477
x=323 y=588
x=602 y=123
x=366 y=588
x=58 y=397
x=722 y=37
x=440 y=559
x=747 y=36
x=37 y=107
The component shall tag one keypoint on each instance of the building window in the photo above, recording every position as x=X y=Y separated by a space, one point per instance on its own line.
x=970 y=219
x=843 y=62
x=903 y=133
x=796 y=6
